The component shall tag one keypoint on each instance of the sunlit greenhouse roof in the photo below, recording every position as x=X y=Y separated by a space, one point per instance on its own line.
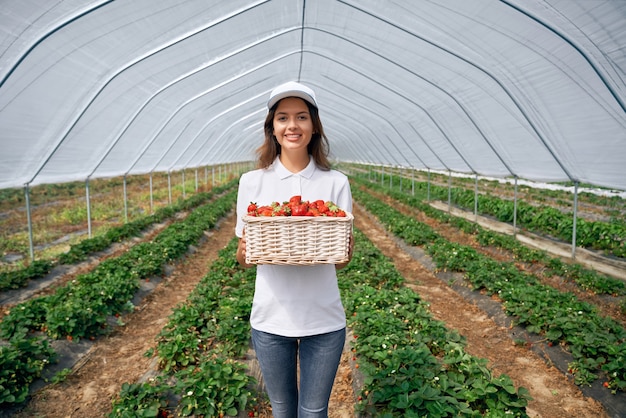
x=533 y=89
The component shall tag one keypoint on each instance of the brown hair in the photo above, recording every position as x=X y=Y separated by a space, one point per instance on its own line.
x=318 y=147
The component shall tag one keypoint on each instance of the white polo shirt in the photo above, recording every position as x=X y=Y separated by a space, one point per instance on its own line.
x=294 y=301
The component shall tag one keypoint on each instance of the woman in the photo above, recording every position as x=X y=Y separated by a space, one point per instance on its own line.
x=297 y=310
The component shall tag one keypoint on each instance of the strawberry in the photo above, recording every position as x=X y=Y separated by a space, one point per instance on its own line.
x=295 y=206
x=299 y=209
x=313 y=211
x=252 y=209
x=265 y=211
x=282 y=210
x=322 y=207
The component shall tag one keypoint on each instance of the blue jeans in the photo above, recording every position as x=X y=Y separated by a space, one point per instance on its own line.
x=319 y=360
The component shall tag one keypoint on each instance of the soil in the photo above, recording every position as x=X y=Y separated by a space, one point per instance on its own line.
x=101 y=367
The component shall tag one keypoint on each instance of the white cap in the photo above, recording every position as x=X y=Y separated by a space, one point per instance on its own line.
x=291 y=89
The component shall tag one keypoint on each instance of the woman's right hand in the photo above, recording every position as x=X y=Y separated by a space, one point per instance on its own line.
x=241 y=251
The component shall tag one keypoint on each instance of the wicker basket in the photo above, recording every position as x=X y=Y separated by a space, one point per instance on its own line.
x=297 y=240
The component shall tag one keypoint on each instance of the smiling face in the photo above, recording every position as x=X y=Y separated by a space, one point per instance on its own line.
x=293 y=126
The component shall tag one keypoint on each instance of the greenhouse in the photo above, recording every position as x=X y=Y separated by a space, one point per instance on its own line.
x=484 y=144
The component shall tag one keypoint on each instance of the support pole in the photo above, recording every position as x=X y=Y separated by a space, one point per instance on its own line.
x=476 y=198
x=31 y=245
x=196 y=180
x=183 y=176
x=169 y=187
x=575 y=220
x=151 y=197
x=428 y=192
x=88 y=199
x=125 y=202
x=413 y=182
x=515 y=208
x=449 y=191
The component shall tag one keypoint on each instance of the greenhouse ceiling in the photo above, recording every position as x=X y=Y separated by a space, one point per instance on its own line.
x=533 y=89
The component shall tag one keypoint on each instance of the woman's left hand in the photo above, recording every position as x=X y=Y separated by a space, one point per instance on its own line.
x=350 y=250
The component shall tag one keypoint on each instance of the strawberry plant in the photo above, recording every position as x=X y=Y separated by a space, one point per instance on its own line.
x=21 y=362
x=141 y=400
x=216 y=387
x=24 y=318
x=16 y=279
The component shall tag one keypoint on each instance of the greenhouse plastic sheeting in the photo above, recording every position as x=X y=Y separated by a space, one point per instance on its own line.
x=528 y=88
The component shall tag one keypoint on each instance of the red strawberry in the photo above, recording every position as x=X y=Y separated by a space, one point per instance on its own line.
x=265 y=211
x=313 y=211
x=322 y=207
x=282 y=210
x=299 y=209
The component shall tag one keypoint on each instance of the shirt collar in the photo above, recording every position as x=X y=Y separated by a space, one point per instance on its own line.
x=283 y=173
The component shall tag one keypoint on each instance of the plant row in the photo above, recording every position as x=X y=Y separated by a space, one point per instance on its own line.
x=597 y=343
x=609 y=237
x=84 y=307
x=200 y=351
x=15 y=279
x=586 y=279
x=611 y=203
x=414 y=366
